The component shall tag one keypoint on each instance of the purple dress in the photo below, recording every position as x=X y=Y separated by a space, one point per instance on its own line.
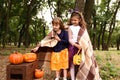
x=72 y=51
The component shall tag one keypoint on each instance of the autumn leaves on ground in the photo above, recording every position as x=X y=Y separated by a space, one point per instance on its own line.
x=108 y=62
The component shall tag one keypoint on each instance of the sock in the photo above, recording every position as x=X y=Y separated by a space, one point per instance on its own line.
x=72 y=72
x=56 y=78
x=64 y=78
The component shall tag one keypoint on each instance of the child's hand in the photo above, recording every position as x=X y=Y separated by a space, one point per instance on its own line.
x=35 y=49
x=78 y=46
x=57 y=38
x=52 y=34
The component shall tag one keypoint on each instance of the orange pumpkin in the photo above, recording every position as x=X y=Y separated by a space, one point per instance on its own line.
x=39 y=73
x=16 y=58
x=29 y=57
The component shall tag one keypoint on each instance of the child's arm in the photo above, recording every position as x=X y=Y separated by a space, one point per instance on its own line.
x=50 y=35
x=36 y=48
x=57 y=38
x=77 y=45
x=64 y=38
x=70 y=39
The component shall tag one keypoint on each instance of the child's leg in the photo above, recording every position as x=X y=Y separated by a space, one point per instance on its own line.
x=72 y=72
x=65 y=74
x=57 y=75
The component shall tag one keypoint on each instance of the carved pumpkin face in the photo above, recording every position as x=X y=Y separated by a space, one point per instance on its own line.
x=39 y=73
x=29 y=57
x=16 y=58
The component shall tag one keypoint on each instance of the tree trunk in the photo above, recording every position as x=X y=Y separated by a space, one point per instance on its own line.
x=99 y=37
x=6 y=21
x=118 y=43
x=27 y=23
x=112 y=24
x=79 y=5
x=104 y=44
x=21 y=35
x=88 y=12
x=94 y=30
x=58 y=10
x=103 y=37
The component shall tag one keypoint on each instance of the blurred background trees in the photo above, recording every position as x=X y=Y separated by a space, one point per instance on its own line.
x=21 y=26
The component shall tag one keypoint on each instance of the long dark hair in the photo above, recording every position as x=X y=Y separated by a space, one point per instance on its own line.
x=82 y=23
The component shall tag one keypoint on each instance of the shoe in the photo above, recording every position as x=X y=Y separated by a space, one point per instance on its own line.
x=56 y=78
x=64 y=78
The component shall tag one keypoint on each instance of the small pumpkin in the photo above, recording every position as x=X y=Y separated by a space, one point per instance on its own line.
x=39 y=73
x=29 y=57
x=16 y=58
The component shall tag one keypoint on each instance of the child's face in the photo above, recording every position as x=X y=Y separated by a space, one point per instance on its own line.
x=75 y=20
x=56 y=27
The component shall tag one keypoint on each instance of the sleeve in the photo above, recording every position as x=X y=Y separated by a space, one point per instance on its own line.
x=51 y=34
x=64 y=39
x=70 y=36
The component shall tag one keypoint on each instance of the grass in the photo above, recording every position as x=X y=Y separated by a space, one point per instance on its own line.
x=108 y=61
x=9 y=50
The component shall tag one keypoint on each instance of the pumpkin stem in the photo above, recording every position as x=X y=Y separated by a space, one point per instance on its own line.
x=15 y=52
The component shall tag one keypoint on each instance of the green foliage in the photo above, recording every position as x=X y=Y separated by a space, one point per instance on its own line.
x=108 y=62
x=116 y=34
x=63 y=9
x=109 y=71
x=102 y=19
x=17 y=19
x=37 y=30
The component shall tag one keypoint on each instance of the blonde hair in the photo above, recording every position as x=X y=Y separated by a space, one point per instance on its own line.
x=82 y=23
